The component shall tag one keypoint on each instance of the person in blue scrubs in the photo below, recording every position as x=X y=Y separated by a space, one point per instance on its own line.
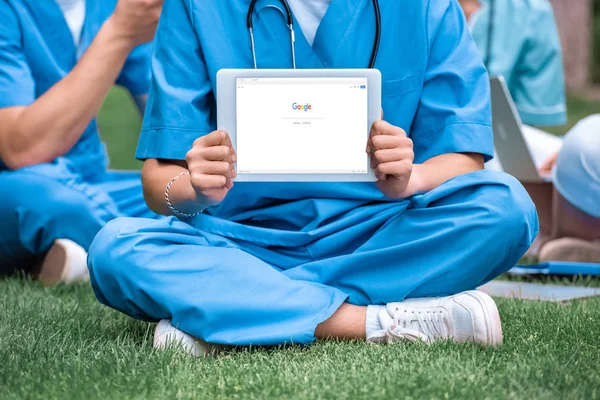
x=272 y=263
x=520 y=40
x=58 y=60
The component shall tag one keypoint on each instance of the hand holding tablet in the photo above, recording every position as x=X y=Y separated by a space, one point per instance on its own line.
x=211 y=165
x=392 y=158
x=299 y=125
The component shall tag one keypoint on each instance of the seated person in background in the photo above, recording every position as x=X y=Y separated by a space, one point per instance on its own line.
x=519 y=40
x=256 y=263
x=575 y=211
x=58 y=60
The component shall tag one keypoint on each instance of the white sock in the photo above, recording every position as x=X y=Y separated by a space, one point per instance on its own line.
x=373 y=324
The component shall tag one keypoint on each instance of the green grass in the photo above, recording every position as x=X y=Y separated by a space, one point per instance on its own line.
x=120 y=124
x=60 y=343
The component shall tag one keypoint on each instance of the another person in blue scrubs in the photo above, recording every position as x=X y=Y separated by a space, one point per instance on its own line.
x=519 y=40
x=273 y=263
x=58 y=60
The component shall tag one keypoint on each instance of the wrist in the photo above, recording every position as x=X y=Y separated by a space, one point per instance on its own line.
x=181 y=197
x=416 y=184
x=396 y=188
x=118 y=34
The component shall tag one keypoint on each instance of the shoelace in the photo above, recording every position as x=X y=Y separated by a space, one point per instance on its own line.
x=431 y=326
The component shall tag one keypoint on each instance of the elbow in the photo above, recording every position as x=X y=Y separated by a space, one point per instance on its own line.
x=154 y=201
x=478 y=162
x=17 y=153
x=15 y=160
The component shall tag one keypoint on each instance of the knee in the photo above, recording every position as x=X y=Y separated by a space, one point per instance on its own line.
x=112 y=248
x=29 y=195
x=577 y=172
x=37 y=205
x=510 y=213
x=114 y=262
x=117 y=267
x=60 y=206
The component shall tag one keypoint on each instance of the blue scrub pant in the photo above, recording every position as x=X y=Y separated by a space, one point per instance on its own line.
x=45 y=202
x=454 y=238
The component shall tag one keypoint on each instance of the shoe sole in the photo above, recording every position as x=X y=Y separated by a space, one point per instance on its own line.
x=492 y=317
x=54 y=266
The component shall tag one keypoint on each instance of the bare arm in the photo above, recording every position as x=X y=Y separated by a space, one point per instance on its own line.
x=210 y=166
x=392 y=158
x=437 y=170
x=50 y=126
x=156 y=175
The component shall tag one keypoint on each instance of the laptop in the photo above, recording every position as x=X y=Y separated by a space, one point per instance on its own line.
x=512 y=149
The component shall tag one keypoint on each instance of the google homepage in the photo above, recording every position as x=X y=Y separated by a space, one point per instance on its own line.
x=301 y=125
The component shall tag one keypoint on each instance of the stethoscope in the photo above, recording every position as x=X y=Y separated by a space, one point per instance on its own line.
x=290 y=24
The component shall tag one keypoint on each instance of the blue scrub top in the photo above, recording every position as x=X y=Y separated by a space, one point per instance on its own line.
x=525 y=48
x=434 y=86
x=37 y=50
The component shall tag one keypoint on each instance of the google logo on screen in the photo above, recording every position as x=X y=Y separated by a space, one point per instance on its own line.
x=301 y=107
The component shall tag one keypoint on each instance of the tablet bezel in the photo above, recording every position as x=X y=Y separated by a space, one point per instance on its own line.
x=226 y=115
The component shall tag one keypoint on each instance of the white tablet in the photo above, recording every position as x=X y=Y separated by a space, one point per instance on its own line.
x=299 y=125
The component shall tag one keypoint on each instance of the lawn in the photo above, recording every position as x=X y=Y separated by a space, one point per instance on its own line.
x=61 y=343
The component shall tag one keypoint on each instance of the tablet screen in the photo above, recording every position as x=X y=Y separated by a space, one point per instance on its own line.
x=301 y=125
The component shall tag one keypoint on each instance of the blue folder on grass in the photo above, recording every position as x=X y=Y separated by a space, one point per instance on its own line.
x=557 y=268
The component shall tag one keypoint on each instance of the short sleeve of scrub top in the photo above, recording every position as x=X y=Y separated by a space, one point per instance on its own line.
x=135 y=75
x=454 y=114
x=180 y=103
x=17 y=87
x=539 y=90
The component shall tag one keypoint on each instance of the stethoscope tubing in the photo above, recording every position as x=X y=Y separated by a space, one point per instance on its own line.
x=290 y=24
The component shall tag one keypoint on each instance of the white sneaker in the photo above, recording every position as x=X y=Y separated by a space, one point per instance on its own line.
x=66 y=261
x=166 y=335
x=465 y=317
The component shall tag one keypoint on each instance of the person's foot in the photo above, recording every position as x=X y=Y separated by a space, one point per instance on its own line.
x=571 y=250
x=66 y=261
x=465 y=317
x=166 y=335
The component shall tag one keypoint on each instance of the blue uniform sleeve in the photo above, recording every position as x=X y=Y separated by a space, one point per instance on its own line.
x=538 y=85
x=17 y=86
x=454 y=113
x=135 y=75
x=181 y=104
